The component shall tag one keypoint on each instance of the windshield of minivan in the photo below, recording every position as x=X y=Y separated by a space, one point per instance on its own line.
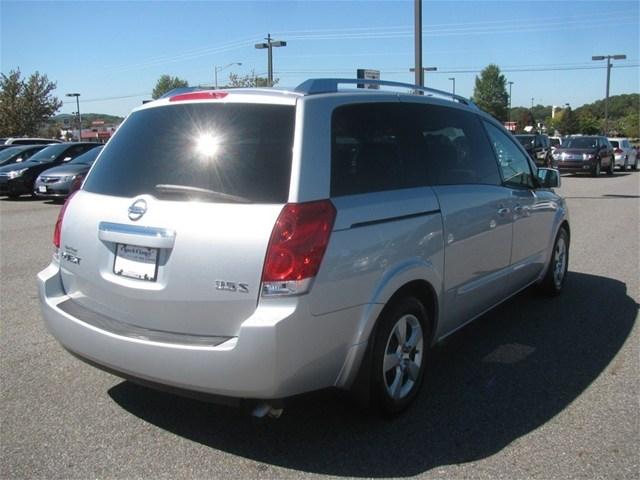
x=49 y=154
x=216 y=152
x=580 y=142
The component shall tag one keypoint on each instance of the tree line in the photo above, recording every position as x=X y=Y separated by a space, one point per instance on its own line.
x=26 y=104
x=490 y=94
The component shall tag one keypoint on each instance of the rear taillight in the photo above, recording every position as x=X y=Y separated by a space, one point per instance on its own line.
x=617 y=150
x=58 y=228
x=297 y=245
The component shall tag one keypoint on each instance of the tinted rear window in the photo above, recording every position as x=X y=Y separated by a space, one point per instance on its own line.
x=243 y=150
x=614 y=143
x=389 y=146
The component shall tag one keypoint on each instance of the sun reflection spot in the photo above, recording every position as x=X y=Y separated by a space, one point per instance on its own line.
x=207 y=145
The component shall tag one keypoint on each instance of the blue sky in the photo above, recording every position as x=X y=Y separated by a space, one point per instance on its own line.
x=113 y=52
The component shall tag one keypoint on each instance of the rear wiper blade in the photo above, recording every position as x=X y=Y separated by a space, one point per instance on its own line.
x=168 y=188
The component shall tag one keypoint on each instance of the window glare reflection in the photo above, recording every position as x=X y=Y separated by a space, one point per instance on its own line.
x=207 y=145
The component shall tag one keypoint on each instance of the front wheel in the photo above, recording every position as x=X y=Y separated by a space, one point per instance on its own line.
x=612 y=167
x=399 y=355
x=635 y=165
x=596 y=169
x=553 y=281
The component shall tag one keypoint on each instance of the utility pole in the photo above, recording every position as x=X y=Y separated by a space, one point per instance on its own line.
x=269 y=46
x=424 y=71
x=606 y=99
x=417 y=12
x=510 y=84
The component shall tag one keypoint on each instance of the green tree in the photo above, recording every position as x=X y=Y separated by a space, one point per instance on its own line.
x=167 y=83
x=588 y=123
x=630 y=125
x=568 y=123
x=249 y=80
x=25 y=105
x=526 y=120
x=490 y=92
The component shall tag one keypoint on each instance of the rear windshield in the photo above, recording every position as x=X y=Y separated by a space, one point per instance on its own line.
x=239 y=151
x=614 y=143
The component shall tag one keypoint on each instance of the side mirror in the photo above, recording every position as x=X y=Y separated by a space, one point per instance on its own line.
x=548 y=178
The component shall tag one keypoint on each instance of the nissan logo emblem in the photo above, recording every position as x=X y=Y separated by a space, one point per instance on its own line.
x=137 y=210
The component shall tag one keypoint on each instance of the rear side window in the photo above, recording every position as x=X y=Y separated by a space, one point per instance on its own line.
x=239 y=151
x=389 y=146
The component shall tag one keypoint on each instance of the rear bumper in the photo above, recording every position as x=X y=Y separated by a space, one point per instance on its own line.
x=280 y=351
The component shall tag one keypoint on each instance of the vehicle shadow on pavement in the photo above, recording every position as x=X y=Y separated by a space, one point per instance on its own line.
x=498 y=379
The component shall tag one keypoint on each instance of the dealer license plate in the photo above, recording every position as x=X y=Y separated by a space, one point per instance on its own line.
x=136 y=262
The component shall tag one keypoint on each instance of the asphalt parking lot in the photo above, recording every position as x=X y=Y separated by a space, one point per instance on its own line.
x=542 y=388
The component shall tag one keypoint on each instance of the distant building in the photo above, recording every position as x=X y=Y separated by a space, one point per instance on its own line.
x=99 y=132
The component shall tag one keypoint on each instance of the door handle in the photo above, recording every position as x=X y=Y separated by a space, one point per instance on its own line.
x=502 y=211
x=518 y=209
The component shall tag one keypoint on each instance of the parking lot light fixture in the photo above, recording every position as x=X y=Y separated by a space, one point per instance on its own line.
x=270 y=43
x=77 y=95
x=217 y=69
x=597 y=58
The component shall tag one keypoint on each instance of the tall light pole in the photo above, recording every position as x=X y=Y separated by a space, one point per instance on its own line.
x=453 y=79
x=219 y=69
x=510 y=84
x=417 y=34
x=606 y=99
x=269 y=46
x=424 y=71
x=77 y=95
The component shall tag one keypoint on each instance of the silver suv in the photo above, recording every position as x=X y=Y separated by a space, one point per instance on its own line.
x=257 y=244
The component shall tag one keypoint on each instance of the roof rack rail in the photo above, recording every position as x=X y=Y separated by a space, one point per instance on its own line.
x=330 y=85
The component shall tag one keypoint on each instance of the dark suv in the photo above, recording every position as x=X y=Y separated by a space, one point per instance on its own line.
x=538 y=147
x=585 y=155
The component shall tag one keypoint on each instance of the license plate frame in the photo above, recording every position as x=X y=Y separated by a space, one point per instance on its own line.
x=137 y=262
x=42 y=189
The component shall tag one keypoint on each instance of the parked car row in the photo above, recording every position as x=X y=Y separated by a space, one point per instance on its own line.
x=18 y=175
x=580 y=154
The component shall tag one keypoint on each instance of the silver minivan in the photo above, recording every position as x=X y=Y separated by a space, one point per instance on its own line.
x=255 y=244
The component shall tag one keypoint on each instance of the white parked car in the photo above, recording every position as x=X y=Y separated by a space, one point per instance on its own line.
x=626 y=155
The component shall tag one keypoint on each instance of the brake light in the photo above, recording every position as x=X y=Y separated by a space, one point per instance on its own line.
x=296 y=247
x=58 y=228
x=618 y=150
x=206 y=95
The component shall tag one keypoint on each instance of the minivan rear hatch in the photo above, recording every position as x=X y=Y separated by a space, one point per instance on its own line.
x=171 y=228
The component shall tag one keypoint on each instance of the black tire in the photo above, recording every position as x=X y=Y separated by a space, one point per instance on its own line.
x=595 y=171
x=612 y=167
x=635 y=165
x=398 y=368
x=13 y=196
x=554 y=278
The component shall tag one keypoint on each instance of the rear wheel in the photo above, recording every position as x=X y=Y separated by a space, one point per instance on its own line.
x=635 y=165
x=399 y=355
x=553 y=281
